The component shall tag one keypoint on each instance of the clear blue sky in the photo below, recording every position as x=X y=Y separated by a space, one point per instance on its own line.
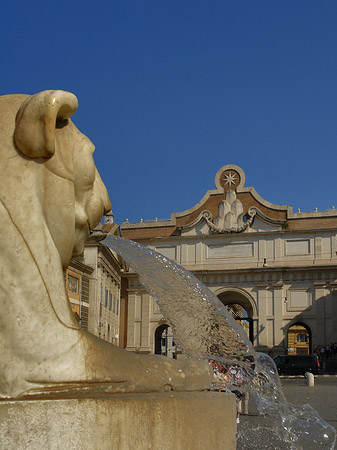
x=170 y=91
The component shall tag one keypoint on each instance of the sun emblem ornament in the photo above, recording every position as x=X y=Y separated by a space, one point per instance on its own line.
x=230 y=178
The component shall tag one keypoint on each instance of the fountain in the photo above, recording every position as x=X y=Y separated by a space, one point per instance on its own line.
x=207 y=331
x=61 y=387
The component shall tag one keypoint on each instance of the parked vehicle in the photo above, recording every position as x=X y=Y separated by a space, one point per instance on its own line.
x=297 y=364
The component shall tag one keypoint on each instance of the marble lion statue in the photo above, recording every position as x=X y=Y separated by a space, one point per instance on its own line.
x=51 y=195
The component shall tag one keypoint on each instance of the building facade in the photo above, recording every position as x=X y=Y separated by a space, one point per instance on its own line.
x=273 y=268
x=105 y=291
x=94 y=288
x=78 y=280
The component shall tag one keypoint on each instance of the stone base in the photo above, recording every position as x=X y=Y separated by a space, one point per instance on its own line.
x=170 y=421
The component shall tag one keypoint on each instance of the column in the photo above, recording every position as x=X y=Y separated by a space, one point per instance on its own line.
x=278 y=251
x=320 y=306
x=261 y=250
x=145 y=324
x=318 y=247
x=262 y=314
x=130 y=345
x=183 y=254
x=198 y=255
x=278 y=297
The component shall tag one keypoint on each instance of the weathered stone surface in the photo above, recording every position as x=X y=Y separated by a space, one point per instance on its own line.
x=179 y=421
x=51 y=195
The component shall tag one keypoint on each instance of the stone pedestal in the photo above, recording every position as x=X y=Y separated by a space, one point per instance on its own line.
x=174 y=421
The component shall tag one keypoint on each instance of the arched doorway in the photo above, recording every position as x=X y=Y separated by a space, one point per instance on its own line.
x=241 y=308
x=299 y=339
x=241 y=316
x=164 y=342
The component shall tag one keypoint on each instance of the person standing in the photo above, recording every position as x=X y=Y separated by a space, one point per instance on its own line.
x=322 y=358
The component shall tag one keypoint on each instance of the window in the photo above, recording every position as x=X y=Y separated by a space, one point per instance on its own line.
x=114 y=308
x=106 y=297
x=101 y=299
x=302 y=338
x=117 y=306
x=110 y=301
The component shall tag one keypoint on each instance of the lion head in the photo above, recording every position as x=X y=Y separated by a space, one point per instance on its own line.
x=51 y=195
x=58 y=160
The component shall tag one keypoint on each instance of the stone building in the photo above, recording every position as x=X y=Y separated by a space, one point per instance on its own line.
x=273 y=268
x=94 y=288
x=78 y=279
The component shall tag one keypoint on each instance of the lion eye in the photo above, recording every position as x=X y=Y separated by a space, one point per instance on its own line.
x=60 y=123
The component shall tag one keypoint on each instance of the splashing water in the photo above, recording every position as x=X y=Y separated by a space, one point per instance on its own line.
x=205 y=329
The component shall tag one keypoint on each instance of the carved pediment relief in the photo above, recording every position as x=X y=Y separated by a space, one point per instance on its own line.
x=230 y=218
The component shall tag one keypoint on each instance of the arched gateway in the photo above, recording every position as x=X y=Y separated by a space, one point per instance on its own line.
x=242 y=308
x=299 y=339
x=164 y=342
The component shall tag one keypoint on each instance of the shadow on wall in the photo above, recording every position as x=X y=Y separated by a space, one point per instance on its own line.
x=312 y=328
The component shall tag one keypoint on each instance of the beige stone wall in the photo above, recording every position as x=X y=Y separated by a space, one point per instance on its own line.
x=143 y=318
x=104 y=320
x=121 y=422
x=278 y=299
x=78 y=280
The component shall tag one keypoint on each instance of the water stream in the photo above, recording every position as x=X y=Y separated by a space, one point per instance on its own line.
x=205 y=329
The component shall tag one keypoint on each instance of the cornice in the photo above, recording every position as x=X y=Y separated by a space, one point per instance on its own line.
x=74 y=263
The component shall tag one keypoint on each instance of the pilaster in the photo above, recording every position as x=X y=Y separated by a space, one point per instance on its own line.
x=320 y=308
x=145 y=324
x=262 y=314
x=278 y=297
x=132 y=293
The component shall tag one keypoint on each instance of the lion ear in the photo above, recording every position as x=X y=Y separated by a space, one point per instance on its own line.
x=36 y=120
